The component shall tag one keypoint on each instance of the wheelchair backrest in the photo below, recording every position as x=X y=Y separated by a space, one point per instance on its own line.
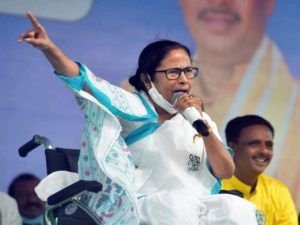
x=62 y=159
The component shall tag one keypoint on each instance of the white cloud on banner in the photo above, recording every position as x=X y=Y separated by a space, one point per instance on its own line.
x=62 y=10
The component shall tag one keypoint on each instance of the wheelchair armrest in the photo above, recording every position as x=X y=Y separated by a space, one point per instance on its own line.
x=74 y=189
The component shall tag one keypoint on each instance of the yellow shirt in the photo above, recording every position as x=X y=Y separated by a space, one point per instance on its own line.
x=274 y=205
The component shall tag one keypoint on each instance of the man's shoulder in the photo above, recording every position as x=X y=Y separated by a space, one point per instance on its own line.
x=266 y=178
x=277 y=193
x=271 y=182
x=234 y=183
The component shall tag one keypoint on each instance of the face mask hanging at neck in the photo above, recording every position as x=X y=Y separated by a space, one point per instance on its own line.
x=160 y=100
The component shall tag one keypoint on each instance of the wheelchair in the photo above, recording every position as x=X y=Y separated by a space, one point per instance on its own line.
x=65 y=207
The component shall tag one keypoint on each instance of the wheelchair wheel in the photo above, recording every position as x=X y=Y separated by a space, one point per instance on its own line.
x=75 y=213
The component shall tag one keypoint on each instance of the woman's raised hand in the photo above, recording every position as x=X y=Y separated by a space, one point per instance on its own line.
x=36 y=35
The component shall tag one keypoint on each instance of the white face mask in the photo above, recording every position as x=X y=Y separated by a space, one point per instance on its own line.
x=160 y=100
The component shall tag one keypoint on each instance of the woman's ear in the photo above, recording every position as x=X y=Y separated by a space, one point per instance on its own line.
x=145 y=78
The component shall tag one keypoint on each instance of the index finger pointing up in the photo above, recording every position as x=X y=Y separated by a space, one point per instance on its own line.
x=32 y=18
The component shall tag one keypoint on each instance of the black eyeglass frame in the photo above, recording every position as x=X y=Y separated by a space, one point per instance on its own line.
x=178 y=72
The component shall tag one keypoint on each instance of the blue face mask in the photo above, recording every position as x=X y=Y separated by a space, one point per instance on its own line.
x=160 y=100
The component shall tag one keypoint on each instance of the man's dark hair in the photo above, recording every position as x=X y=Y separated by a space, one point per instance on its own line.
x=235 y=126
x=21 y=177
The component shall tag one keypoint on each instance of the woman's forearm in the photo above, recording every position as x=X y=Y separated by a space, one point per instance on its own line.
x=60 y=62
x=220 y=159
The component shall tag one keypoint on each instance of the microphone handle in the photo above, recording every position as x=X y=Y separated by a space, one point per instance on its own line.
x=192 y=115
x=201 y=127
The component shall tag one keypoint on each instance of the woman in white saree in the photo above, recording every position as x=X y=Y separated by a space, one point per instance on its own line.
x=156 y=167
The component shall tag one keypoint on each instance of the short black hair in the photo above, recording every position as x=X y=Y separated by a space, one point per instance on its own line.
x=21 y=177
x=151 y=57
x=235 y=126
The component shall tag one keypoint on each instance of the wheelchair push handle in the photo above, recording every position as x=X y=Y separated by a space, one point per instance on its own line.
x=36 y=141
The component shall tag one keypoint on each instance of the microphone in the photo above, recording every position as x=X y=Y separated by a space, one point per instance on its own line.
x=192 y=115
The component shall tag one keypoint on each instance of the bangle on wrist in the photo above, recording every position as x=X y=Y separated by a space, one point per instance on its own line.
x=196 y=136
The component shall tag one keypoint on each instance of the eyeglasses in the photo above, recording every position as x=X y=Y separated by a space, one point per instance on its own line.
x=174 y=73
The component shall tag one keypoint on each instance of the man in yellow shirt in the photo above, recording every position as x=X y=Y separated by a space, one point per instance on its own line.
x=251 y=138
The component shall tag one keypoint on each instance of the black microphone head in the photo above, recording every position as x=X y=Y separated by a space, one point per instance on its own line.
x=176 y=95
